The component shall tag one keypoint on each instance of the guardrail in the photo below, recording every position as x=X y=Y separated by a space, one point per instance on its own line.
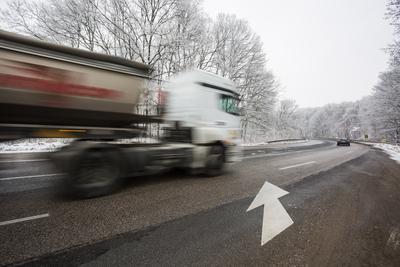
x=273 y=141
x=286 y=140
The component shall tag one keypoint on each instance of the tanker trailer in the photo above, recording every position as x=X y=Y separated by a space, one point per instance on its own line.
x=49 y=84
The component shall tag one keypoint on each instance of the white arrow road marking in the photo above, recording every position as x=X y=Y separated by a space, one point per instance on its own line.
x=25 y=219
x=297 y=165
x=275 y=218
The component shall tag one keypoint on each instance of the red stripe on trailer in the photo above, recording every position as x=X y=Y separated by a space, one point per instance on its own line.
x=51 y=86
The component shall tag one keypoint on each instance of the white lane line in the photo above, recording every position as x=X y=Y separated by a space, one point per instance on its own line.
x=275 y=154
x=29 y=176
x=297 y=165
x=25 y=219
x=22 y=160
x=264 y=155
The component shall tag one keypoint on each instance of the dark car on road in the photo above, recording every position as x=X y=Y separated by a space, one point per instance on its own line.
x=343 y=142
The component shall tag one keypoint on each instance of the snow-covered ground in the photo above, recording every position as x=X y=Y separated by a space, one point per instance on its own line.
x=33 y=145
x=392 y=150
x=51 y=144
x=280 y=142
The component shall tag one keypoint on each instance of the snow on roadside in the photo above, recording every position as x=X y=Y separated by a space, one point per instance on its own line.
x=392 y=150
x=278 y=142
x=255 y=144
x=142 y=140
x=32 y=145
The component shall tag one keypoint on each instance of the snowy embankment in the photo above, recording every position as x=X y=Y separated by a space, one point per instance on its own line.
x=392 y=150
x=276 y=142
x=34 y=145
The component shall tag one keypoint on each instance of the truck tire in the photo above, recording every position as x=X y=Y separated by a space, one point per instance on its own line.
x=215 y=161
x=96 y=172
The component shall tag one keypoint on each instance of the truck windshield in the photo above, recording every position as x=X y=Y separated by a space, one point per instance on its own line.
x=229 y=104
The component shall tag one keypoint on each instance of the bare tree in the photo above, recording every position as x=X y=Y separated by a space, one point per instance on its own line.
x=387 y=103
x=169 y=35
x=239 y=56
x=285 y=126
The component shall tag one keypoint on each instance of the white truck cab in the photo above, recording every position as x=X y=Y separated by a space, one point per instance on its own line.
x=208 y=105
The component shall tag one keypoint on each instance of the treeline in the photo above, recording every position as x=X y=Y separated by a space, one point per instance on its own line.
x=169 y=35
x=376 y=116
x=345 y=120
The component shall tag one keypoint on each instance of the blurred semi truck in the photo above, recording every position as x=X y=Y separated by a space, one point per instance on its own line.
x=49 y=90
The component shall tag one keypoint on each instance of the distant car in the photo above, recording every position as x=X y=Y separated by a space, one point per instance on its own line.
x=343 y=142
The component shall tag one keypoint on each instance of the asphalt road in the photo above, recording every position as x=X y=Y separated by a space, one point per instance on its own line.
x=343 y=201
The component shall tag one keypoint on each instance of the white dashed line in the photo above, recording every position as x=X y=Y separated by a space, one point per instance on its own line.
x=29 y=176
x=297 y=165
x=264 y=155
x=22 y=160
x=25 y=219
x=275 y=154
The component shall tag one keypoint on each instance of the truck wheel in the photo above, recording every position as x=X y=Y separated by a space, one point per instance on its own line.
x=215 y=161
x=96 y=172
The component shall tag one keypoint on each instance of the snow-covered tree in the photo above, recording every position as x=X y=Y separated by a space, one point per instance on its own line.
x=387 y=104
x=285 y=120
x=240 y=57
x=169 y=35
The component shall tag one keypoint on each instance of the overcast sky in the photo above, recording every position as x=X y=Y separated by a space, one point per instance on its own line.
x=322 y=51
